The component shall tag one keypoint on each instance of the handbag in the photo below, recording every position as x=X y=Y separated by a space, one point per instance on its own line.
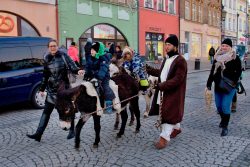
x=225 y=84
x=70 y=75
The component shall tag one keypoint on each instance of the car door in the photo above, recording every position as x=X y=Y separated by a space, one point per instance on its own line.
x=15 y=71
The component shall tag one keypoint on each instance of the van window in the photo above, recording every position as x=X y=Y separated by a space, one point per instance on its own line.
x=38 y=53
x=15 y=58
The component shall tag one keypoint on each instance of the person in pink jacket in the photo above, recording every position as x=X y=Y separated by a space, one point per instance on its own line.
x=73 y=53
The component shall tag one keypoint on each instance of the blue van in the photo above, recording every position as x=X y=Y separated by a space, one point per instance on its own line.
x=21 y=66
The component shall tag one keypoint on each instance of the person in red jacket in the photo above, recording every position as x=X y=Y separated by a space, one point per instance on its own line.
x=73 y=53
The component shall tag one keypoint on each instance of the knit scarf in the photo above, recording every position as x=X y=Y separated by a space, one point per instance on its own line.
x=223 y=57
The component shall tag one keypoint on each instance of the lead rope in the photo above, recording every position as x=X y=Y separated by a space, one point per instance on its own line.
x=159 y=121
x=107 y=107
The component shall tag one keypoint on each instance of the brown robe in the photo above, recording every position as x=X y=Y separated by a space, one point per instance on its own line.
x=174 y=89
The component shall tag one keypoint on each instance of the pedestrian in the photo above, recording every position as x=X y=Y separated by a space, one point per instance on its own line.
x=55 y=71
x=73 y=53
x=87 y=49
x=132 y=62
x=226 y=65
x=99 y=69
x=118 y=52
x=211 y=54
x=170 y=91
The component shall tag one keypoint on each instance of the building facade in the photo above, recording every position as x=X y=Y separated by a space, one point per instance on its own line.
x=230 y=28
x=157 y=20
x=200 y=27
x=17 y=19
x=242 y=8
x=112 y=21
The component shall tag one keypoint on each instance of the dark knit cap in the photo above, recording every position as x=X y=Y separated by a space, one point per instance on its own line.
x=228 y=42
x=95 y=46
x=172 y=39
x=73 y=43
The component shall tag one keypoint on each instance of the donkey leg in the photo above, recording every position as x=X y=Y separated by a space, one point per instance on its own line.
x=124 y=116
x=135 y=107
x=117 y=121
x=147 y=100
x=78 y=129
x=132 y=118
x=97 y=127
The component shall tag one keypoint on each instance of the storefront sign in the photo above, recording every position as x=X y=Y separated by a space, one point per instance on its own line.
x=156 y=29
x=8 y=25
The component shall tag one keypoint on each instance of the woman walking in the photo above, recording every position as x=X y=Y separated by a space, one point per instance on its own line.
x=226 y=65
x=55 y=71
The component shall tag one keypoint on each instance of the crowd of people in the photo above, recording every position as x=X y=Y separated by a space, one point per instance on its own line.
x=169 y=97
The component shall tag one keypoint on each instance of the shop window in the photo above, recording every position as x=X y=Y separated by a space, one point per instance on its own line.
x=16 y=26
x=154 y=45
x=103 y=31
x=149 y=4
x=27 y=29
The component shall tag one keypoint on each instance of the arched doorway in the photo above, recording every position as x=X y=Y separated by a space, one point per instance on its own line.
x=102 y=33
x=15 y=25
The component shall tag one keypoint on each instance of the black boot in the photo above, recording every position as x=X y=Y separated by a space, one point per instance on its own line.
x=221 y=117
x=226 y=119
x=72 y=129
x=41 y=127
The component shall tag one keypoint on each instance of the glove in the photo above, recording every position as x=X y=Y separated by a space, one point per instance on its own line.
x=87 y=77
x=144 y=84
x=148 y=68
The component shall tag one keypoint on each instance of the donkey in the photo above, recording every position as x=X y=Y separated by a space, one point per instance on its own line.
x=76 y=99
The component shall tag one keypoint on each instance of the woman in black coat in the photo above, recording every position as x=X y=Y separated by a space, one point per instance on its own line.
x=228 y=65
x=55 y=71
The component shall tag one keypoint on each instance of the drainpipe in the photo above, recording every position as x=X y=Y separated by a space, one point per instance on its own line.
x=57 y=22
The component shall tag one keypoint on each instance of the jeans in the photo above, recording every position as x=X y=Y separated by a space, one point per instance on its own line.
x=223 y=101
x=108 y=92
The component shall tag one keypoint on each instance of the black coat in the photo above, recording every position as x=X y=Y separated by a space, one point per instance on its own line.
x=55 y=71
x=232 y=71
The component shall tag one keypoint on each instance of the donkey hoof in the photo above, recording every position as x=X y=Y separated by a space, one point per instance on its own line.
x=145 y=116
x=137 y=131
x=116 y=127
x=95 y=145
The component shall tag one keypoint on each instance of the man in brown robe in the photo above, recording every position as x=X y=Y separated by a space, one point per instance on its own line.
x=172 y=88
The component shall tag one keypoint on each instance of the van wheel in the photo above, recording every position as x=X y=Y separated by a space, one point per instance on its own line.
x=37 y=100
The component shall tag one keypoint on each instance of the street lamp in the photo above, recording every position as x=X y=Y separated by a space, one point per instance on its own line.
x=223 y=18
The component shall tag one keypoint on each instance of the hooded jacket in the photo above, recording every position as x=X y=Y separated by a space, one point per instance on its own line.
x=98 y=67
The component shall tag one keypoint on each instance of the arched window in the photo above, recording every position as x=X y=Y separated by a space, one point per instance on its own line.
x=14 y=25
x=102 y=33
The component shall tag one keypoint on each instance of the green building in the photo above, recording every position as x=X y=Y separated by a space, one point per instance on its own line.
x=108 y=21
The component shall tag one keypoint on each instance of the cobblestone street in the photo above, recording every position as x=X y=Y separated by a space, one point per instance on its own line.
x=199 y=144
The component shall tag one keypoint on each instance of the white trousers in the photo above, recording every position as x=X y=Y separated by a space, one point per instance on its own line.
x=167 y=129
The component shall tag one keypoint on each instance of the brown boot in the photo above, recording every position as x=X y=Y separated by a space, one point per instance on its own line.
x=162 y=143
x=233 y=107
x=175 y=133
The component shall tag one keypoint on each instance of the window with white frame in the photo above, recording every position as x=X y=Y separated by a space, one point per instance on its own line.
x=200 y=13
x=218 y=19
x=234 y=23
x=229 y=24
x=194 y=15
x=234 y=4
x=161 y=5
x=171 y=6
x=149 y=4
x=187 y=10
x=214 y=19
x=240 y=24
x=244 y=27
x=230 y=4
x=209 y=17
